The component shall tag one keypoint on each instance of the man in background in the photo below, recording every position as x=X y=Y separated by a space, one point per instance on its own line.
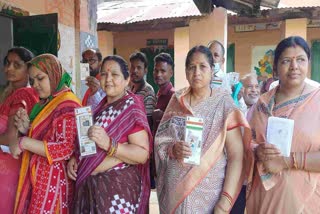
x=138 y=85
x=94 y=94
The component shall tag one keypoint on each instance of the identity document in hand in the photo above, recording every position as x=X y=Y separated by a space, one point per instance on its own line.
x=280 y=133
x=84 y=121
x=193 y=136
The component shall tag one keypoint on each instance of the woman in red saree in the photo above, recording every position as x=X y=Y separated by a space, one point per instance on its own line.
x=116 y=179
x=43 y=183
x=18 y=94
x=215 y=183
x=287 y=184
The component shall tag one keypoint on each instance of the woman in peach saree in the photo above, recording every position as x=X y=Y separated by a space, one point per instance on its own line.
x=287 y=184
x=215 y=183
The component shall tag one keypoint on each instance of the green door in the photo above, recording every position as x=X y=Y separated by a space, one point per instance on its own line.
x=315 y=60
x=37 y=33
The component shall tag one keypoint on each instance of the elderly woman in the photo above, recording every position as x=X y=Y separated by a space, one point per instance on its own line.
x=18 y=94
x=43 y=185
x=287 y=184
x=215 y=183
x=116 y=179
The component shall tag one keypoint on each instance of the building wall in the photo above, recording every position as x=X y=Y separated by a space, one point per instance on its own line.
x=76 y=25
x=245 y=41
x=126 y=43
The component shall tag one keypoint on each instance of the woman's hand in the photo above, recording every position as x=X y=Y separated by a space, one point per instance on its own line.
x=93 y=83
x=99 y=135
x=72 y=168
x=222 y=206
x=181 y=150
x=267 y=151
x=21 y=121
x=15 y=149
x=275 y=165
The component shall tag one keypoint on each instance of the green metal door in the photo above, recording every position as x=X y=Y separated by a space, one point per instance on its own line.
x=37 y=33
x=315 y=60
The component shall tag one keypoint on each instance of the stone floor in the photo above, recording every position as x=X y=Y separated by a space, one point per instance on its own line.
x=153 y=203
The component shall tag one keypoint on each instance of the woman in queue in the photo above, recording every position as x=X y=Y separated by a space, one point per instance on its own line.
x=214 y=184
x=116 y=179
x=50 y=140
x=281 y=184
x=17 y=94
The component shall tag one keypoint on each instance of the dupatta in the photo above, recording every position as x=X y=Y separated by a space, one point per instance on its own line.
x=122 y=116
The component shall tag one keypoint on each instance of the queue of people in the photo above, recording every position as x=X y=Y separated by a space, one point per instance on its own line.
x=142 y=139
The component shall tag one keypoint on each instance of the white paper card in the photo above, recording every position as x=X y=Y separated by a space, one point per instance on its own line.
x=84 y=121
x=5 y=149
x=193 y=133
x=84 y=70
x=280 y=133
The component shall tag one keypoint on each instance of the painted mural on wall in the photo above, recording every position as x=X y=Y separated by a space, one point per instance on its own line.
x=87 y=40
x=262 y=61
x=8 y=9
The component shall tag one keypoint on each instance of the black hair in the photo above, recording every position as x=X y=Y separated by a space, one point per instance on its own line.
x=163 y=57
x=122 y=63
x=219 y=43
x=24 y=54
x=202 y=49
x=291 y=41
x=96 y=51
x=140 y=56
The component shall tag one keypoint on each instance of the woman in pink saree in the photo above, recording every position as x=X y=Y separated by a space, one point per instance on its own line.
x=215 y=183
x=287 y=184
x=16 y=95
x=116 y=179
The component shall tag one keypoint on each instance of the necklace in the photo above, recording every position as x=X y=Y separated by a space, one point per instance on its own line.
x=209 y=96
x=295 y=104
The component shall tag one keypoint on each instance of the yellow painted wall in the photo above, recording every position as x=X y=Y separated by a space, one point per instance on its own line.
x=128 y=42
x=211 y=27
x=181 y=48
x=105 y=41
x=294 y=27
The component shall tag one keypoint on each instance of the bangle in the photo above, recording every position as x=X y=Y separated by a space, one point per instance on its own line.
x=304 y=160
x=110 y=139
x=228 y=197
x=20 y=142
x=294 y=160
x=285 y=161
x=114 y=147
x=221 y=208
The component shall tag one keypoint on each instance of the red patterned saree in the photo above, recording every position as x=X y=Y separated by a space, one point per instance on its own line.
x=124 y=188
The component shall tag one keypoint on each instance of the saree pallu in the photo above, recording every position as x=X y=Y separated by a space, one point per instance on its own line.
x=9 y=167
x=290 y=191
x=189 y=188
x=118 y=119
x=43 y=183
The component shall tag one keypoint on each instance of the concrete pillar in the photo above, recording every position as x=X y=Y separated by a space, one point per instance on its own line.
x=105 y=42
x=294 y=27
x=181 y=48
x=211 y=27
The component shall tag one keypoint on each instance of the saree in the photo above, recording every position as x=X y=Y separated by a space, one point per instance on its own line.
x=25 y=98
x=43 y=185
x=124 y=188
x=191 y=188
x=290 y=191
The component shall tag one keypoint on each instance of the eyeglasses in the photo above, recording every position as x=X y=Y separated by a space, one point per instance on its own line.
x=16 y=64
x=90 y=61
